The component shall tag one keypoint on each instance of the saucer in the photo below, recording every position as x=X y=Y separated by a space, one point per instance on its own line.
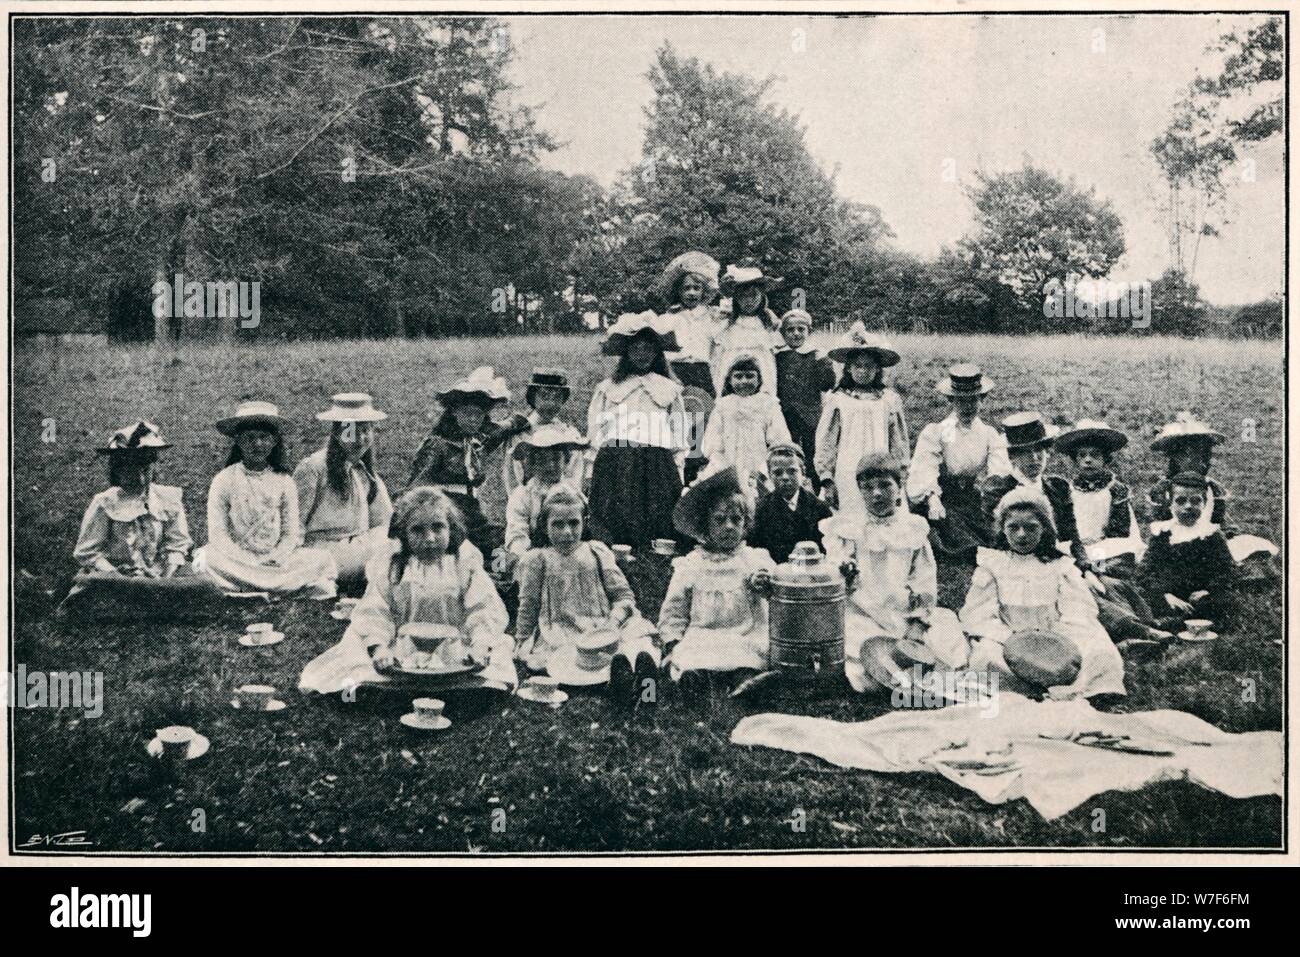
x=275 y=704
x=555 y=699
x=198 y=747
x=249 y=641
x=413 y=720
x=1197 y=639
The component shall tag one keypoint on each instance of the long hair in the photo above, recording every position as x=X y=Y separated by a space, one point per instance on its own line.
x=1045 y=550
x=744 y=365
x=847 y=384
x=407 y=505
x=276 y=459
x=446 y=424
x=711 y=501
x=660 y=364
x=117 y=462
x=336 y=466
x=562 y=495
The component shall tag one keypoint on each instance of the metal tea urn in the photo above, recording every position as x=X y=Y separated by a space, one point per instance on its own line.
x=806 y=615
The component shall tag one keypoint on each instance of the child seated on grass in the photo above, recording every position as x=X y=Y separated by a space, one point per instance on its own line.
x=1025 y=584
x=1188 y=571
x=789 y=514
x=434 y=577
x=570 y=588
x=891 y=575
x=714 y=616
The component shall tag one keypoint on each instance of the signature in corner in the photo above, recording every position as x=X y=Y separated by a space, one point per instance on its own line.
x=65 y=839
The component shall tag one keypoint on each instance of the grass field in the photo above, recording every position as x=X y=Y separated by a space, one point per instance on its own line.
x=346 y=777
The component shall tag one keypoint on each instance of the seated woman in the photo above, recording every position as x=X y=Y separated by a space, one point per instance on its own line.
x=428 y=598
x=134 y=542
x=343 y=504
x=254 y=536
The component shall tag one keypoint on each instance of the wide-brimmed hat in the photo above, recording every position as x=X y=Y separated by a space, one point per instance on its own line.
x=880 y=463
x=631 y=324
x=351 y=407
x=700 y=265
x=249 y=415
x=1027 y=496
x=1185 y=428
x=747 y=272
x=965 y=380
x=559 y=436
x=889 y=663
x=796 y=314
x=484 y=382
x=857 y=340
x=1091 y=432
x=690 y=514
x=571 y=665
x=1188 y=479
x=547 y=379
x=138 y=437
x=1027 y=430
x=1042 y=658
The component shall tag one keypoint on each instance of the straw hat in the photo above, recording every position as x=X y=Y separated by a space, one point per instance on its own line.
x=484 y=382
x=1091 y=432
x=1043 y=658
x=547 y=379
x=700 y=265
x=965 y=380
x=1185 y=428
x=252 y=415
x=138 y=437
x=1027 y=430
x=889 y=663
x=857 y=340
x=581 y=667
x=747 y=272
x=351 y=407
x=631 y=324
x=690 y=514
x=553 y=435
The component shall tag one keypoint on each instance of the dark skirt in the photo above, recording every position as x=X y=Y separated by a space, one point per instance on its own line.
x=694 y=373
x=633 y=491
x=962 y=529
x=482 y=534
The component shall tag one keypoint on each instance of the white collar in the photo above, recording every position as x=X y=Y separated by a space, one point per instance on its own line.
x=661 y=391
x=1023 y=479
x=1179 y=533
x=803 y=350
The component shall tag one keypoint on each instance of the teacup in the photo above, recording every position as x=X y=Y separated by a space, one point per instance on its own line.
x=664 y=546
x=428 y=710
x=1198 y=627
x=622 y=552
x=175 y=740
x=544 y=686
x=254 y=697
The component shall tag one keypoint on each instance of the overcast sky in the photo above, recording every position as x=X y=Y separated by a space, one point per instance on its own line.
x=887 y=100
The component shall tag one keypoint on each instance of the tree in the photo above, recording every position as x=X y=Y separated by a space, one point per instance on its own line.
x=1032 y=228
x=1176 y=306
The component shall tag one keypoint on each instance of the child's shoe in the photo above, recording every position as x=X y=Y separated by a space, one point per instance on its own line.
x=645 y=674
x=622 y=680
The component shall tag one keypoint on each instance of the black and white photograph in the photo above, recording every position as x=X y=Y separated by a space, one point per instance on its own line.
x=739 y=431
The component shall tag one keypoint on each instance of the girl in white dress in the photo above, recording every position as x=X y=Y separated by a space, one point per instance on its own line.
x=862 y=415
x=254 y=534
x=434 y=577
x=749 y=328
x=744 y=424
x=1025 y=584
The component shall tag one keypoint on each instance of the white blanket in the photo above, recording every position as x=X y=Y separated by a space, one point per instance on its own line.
x=1024 y=749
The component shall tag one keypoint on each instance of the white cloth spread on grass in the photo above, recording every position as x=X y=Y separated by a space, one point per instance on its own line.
x=1024 y=750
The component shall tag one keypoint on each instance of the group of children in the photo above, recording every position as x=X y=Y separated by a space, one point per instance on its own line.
x=789 y=453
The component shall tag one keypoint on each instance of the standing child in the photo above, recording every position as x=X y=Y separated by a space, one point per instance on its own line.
x=452 y=457
x=637 y=428
x=689 y=285
x=549 y=451
x=887 y=553
x=1023 y=584
x=788 y=514
x=434 y=577
x=569 y=588
x=750 y=326
x=803 y=374
x=546 y=395
x=342 y=501
x=714 y=616
x=254 y=533
x=952 y=457
x=862 y=415
x=744 y=424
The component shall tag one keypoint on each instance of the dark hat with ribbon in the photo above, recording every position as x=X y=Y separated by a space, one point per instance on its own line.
x=1027 y=430
x=965 y=380
x=1091 y=432
x=547 y=379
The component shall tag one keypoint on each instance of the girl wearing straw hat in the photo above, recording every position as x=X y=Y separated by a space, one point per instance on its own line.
x=549 y=451
x=951 y=458
x=862 y=415
x=342 y=501
x=254 y=532
x=748 y=327
x=134 y=542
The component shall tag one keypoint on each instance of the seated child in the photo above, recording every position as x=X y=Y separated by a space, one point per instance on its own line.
x=1187 y=571
x=891 y=573
x=545 y=395
x=1188 y=444
x=714 y=615
x=569 y=587
x=134 y=541
x=803 y=376
x=434 y=576
x=550 y=450
x=1026 y=583
x=254 y=533
x=789 y=514
x=743 y=424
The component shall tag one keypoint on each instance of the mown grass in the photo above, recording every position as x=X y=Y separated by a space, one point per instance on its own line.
x=327 y=775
